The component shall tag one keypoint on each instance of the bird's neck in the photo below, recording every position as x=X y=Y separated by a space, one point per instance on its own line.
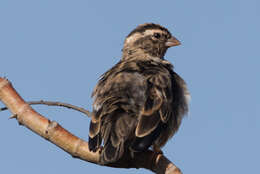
x=137 y=53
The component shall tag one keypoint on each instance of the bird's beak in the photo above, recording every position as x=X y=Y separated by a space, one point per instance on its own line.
x=172 y=42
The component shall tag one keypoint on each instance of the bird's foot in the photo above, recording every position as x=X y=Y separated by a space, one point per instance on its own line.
x=157 y=149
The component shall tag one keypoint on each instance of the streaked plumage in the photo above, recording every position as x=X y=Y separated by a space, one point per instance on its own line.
x=140 y=101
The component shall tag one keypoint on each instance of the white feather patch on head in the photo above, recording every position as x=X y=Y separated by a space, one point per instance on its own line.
x=152 y=31
x=133 y=38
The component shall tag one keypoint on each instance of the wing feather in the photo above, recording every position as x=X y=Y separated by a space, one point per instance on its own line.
x=157 y=106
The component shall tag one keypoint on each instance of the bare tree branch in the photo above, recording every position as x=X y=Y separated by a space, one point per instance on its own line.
x=52 y=103
x=78 y=148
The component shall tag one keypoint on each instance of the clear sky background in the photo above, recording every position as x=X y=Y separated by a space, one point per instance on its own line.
x=57 y=49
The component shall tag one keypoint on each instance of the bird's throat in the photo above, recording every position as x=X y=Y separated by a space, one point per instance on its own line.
x=138 y=53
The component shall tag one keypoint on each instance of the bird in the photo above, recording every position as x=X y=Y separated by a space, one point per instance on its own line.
x=140 y=102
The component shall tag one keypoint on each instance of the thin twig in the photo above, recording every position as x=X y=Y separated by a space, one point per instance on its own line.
x=51 y=103
x=13 y=116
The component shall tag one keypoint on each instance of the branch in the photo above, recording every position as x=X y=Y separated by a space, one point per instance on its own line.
x=51 y=103
x=78 y=148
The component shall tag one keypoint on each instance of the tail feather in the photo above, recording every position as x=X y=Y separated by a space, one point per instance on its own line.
x=94 y=142
x=141 y=144
x=111 y=153
x=116 y=128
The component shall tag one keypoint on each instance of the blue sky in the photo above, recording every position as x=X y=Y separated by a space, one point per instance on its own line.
x=57 y=49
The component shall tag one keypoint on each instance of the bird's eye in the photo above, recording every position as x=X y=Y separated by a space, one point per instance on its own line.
x=157 y=35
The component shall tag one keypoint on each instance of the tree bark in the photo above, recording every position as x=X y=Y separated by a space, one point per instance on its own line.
x=78 y=148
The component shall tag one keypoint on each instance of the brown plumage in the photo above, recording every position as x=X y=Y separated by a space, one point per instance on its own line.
x=141 y=101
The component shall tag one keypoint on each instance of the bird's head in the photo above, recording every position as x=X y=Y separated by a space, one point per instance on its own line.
x=148 y=40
